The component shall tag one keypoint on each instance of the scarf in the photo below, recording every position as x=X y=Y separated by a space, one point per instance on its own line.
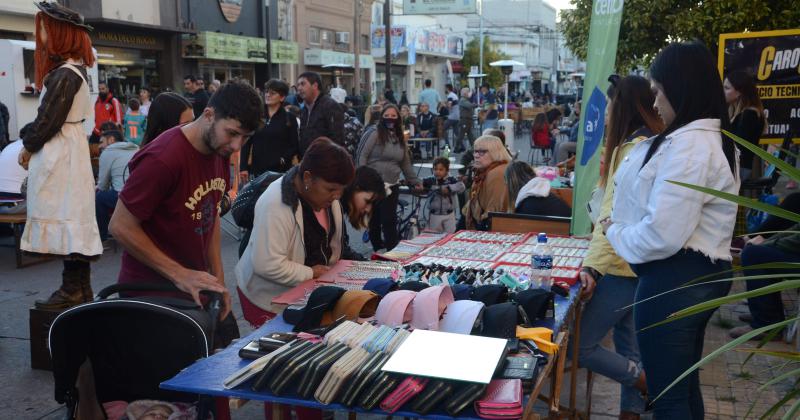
x=477 y=181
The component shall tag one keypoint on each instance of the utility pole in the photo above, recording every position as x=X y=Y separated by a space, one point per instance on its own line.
x=387 y=24
x=266 y=13
x=357 y=49
x=480 y=46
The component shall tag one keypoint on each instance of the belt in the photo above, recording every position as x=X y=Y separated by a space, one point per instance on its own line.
x=442 y=214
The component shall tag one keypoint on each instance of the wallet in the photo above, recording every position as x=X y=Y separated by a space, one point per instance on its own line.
x=502 y=400
x=434 y=393
x=293 y=368
x=384 y=383
x=410 y=387
x=273 y=341
x=278 y=361
x=338 y=374
x=520 y=367
x=317 y=368
x=364 y=376
x=463 y=398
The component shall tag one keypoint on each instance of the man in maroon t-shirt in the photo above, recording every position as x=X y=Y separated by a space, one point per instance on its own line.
x=167 y=214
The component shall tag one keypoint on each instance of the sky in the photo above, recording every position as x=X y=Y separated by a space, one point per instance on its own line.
x=560 y=4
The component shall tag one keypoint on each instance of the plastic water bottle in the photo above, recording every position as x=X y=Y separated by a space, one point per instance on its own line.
x=446 y=151
x=542 y=263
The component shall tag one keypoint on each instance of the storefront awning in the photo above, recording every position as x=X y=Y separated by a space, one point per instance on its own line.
x=219 y=46
x=320 y=57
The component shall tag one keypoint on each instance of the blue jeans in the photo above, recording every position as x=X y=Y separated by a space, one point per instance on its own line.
x=601 y=314
x=104 y=203
x=766 y=309
x=670 y=349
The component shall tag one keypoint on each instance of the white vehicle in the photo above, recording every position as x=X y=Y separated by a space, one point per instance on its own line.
x=16 y=85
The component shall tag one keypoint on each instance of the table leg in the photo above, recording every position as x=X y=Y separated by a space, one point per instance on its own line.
x=18 y=229
x=558 y=379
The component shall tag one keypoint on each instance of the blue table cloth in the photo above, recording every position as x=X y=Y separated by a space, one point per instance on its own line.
x=206 y=376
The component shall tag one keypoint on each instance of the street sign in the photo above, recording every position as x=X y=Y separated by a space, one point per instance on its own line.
x=439 y=7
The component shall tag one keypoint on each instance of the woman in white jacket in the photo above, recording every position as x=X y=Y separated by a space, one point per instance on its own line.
x=298 y=231
x=671 y=234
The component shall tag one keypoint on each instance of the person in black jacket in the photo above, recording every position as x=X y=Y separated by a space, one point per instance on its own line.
x=321 y=115
x=275 y=146
x=531 y=194
x=746 y=113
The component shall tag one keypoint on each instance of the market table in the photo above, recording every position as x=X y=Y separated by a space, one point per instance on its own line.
x=429 y=140
x=206 y=376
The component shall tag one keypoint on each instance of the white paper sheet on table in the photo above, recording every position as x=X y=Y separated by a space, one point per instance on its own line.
x=443 y=355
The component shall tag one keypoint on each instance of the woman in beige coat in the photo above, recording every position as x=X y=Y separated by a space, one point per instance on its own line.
x=489 y=191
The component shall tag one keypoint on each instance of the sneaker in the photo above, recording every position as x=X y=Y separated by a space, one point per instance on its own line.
x=744 y=329
x=746 y=317
x=791 y=185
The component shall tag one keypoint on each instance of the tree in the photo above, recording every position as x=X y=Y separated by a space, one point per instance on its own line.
x=494 y=77
x=649 y=25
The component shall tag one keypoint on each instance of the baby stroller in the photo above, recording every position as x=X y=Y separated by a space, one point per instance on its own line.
x=133 y=344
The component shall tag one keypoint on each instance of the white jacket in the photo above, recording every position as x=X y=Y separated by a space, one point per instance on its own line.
x=536 y=187
x=654 y=219
x=273 y=261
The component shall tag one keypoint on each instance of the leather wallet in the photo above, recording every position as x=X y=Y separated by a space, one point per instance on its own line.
x=502 y=400
x=520 y=367
x=435 y=392
x=364 y=376
x=317 y=368
x=278 y=361
x=410 y=387
x=293 y=368
x=338 y=374
x=463 y=398
x=384 y=384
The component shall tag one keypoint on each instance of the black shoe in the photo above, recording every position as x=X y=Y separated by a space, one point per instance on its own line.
x=746 y=317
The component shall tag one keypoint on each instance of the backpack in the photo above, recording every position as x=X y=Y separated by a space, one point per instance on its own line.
x=244 y=207
x=352 y=133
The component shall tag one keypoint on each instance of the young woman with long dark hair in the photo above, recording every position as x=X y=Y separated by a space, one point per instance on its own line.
x=746 y=114
x=671 y=234
x=631 y=119
x=168 y=110
x=386 y=151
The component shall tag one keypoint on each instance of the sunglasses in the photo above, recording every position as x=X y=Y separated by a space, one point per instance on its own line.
x=480 y=152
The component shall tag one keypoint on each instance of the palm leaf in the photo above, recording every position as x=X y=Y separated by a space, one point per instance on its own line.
x=687 y=285
x=792 y=413
x=714 y=354
x=775 y=407
x=763 y=154
x=744 y=201
x=766 y=339
x=715 y=303
x=775 y=380
x=789 y=355
x=769 y=232
x=763 y=266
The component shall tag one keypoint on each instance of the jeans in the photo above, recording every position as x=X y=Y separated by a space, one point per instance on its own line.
x=601 y=314
x=670 y=349
x=448 y=124
x=766 y=309
x=104 y=203
x=384 y=220
x=487 y=124
x=465 y=129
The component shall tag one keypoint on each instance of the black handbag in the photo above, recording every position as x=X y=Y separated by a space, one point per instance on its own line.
x=244 y=207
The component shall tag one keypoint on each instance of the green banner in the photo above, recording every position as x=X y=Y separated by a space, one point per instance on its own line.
x=601 y=56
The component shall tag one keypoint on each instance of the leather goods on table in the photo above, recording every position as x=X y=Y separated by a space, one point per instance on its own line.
x=339 y=374
x=502 y=400
x=462 y=398
x=383 y=384
x=289 y=373
x=522 y=367
x=321 y=300
x=395 y=308
x=501 y=320
x=365 y=376
x=353 y=305
x=463 y=317
x=381 y=286
x=410 y=387
x=317 y=368
x=537 y=303
x=277 y=362
x=490 y=294
x=435 y=392
x=428 y=307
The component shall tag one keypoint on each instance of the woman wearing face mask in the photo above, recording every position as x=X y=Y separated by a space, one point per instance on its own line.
x=298 y=231
x=386 y=151
x=671 y=234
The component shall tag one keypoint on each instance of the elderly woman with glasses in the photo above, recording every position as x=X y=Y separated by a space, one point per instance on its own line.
x=489 y=191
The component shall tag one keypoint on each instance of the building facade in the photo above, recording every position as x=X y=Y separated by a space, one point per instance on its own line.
x=16 y=20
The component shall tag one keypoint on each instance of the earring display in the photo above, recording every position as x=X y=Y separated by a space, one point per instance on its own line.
x=365 y=270
x=474 y=235
x=485 y=251
x=515 y=257
x=561 y=241
x=451 y=262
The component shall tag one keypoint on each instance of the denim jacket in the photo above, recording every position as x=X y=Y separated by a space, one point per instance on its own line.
x=653 y=219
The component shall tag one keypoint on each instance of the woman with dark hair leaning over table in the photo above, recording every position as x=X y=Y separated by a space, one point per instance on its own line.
x=489 y=191
x=631 y=119
x=671 y=234
x=298 y=231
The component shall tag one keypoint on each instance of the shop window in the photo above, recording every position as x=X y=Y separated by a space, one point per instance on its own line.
x=313 y=35
x=365 y=43
x=326 y=37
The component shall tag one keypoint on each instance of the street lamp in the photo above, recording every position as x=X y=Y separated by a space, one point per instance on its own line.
x=507 y=124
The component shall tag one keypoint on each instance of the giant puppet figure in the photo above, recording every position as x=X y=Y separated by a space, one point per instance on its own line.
x=61 y=216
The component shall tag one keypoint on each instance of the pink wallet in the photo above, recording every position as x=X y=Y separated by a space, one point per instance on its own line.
x=502 y=400
x=407 y=389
